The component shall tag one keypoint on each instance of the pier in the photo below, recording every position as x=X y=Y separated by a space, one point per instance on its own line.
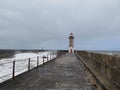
x=63 y=73
x=80 y=71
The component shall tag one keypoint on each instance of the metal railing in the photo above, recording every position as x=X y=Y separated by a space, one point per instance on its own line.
x=17 y=67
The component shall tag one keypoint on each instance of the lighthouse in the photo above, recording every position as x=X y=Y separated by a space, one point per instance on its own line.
x=71 y=44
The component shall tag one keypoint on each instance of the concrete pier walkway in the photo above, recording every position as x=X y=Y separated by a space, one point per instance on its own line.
x=64 y=73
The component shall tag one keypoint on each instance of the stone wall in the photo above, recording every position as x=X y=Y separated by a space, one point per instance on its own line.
x=107 y=65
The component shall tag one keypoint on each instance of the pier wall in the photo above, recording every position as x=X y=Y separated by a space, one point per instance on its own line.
x=107 y=65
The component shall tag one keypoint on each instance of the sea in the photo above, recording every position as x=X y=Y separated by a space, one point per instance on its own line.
x=110 y=52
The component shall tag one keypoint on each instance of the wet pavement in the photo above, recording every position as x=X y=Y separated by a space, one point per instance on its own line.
x=64 y=73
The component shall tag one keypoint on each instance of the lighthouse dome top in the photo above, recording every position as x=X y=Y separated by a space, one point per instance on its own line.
x=71 y=36
x=71 y=33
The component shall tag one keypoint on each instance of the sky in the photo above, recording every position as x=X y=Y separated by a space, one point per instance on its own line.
x=46 y=24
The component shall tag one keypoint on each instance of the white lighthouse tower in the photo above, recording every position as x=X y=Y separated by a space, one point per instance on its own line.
x=71 y=43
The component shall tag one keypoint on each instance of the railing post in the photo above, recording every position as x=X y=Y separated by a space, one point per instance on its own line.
x=29 y=64
x=37 y=61
x=13 y=70
x=50 y=56
x=47 y=58
x=43 y=59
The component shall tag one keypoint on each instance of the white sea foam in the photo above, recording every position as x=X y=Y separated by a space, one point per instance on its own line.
x=21 y=63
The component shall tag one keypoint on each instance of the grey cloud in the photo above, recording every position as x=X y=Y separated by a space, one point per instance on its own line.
x=47 y=23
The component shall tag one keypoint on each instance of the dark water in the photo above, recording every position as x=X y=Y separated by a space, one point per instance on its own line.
x=6 y=53
x=10 y=53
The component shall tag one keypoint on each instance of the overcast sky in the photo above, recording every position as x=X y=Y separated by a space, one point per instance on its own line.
x=36 y=24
